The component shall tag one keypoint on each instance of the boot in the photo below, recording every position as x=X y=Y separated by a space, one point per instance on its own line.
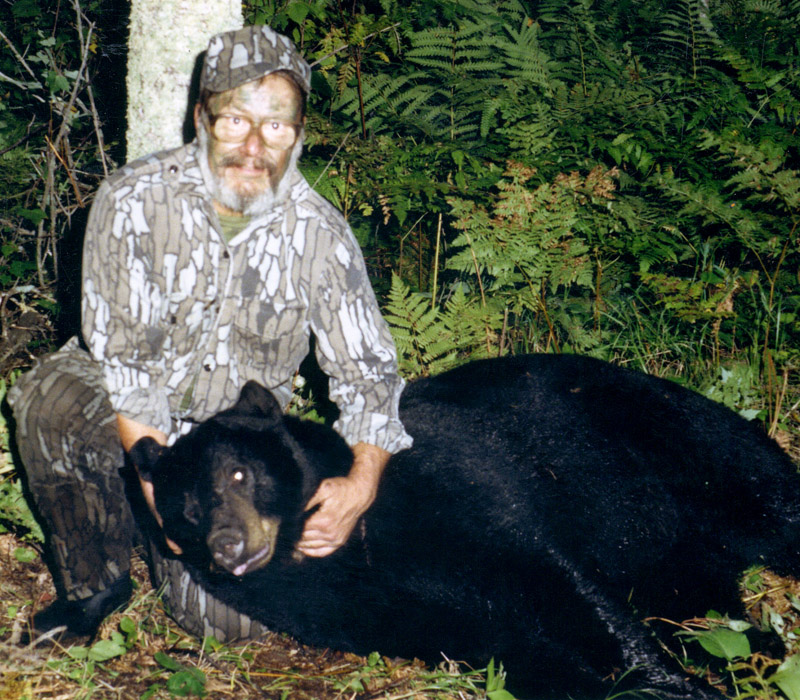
x=81 y=618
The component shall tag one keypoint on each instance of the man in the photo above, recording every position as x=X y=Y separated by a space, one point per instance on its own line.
x=204 y=267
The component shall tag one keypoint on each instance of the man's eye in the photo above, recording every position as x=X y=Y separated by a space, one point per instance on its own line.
x=276 y=125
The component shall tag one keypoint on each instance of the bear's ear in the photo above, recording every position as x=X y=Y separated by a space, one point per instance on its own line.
x=191 y=508
x=256 y=409
x=144 y=455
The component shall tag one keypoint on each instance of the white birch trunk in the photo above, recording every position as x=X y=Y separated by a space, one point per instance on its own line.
x=166 y=36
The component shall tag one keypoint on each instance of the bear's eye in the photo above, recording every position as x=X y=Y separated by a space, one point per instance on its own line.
x=238 y=476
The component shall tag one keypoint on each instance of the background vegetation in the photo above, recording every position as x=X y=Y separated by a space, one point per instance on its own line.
x=611 y=177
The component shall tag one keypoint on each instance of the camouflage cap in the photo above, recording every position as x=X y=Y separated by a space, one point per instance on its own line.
x=239 y=56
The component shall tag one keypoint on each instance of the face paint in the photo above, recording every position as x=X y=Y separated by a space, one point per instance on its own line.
x=249 y=177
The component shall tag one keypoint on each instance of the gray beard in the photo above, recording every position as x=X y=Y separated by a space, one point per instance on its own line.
x=247 y=205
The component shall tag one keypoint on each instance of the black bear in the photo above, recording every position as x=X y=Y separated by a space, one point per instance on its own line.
x=548 y=505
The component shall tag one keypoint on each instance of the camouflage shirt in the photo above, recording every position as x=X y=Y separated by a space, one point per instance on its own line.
x=172 y=311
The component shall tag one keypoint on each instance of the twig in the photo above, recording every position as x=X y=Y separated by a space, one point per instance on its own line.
x=346 y=46
x=338 y=148
x=436 y=261
x=19 y=57
x=24 y=138
x=67 y=168
x=781 y=394
x=18 y=84
x=95 y=116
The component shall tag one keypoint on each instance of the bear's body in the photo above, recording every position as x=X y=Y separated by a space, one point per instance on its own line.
x=549 y=503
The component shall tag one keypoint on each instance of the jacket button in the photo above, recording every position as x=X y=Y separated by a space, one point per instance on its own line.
x=173 y=169
x=207 y=368
x=226 y=254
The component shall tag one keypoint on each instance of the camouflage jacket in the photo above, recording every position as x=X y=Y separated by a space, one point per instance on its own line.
x=180 y=319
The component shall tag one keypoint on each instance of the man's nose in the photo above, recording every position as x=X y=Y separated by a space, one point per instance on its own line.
x=254 y=144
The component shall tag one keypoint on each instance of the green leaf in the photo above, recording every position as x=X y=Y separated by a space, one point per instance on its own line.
x=787 y=677
x=57 y=82
x=127 y=625
x=211 y=644
x=24 y=555
x=151 y=691
x=19 y=268
x=725 y=643
x=106 y=649
x=189 y=682
x=167 y=662
x=500 y=695
x=78 y=653
x=35 y=216
x=298 y=11
x=25 y=8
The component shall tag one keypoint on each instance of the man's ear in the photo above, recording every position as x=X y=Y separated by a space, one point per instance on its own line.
x=144 y=454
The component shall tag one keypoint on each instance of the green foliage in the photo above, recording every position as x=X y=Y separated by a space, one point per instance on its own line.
x=724 y=639
x=52 y=151
x=15 y=514
x=496 y=683
x=787 y=677
x=557 y=163
x=183 y=681
x=737 y=388
x=528 y=242
x=432 y=339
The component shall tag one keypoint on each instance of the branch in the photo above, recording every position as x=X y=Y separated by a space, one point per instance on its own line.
x=20 y=58
x=95 y=116
x=346 y=46
x=328 y=165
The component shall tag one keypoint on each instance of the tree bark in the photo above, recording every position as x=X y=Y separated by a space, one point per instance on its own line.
x=166 y=37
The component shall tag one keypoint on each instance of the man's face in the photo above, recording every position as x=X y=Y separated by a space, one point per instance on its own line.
x=245 y=174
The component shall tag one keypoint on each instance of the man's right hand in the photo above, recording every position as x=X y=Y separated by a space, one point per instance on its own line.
x=130 y=432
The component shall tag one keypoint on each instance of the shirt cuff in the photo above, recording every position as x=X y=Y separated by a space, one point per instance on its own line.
x=374 y=429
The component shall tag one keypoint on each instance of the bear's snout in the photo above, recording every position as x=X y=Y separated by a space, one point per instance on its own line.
x=227 y=545
x=240 y=539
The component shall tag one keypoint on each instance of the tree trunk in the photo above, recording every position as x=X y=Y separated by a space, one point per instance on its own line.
x=166 y=37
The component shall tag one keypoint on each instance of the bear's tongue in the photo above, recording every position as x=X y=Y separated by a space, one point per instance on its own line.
x=242 y=569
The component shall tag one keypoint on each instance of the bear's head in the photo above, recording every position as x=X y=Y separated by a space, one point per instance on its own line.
x=234 y=489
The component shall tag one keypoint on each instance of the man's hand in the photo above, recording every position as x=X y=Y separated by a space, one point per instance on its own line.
x=342 y=501
x=130 y=431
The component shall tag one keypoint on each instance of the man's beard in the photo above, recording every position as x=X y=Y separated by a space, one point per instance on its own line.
x=254 y=204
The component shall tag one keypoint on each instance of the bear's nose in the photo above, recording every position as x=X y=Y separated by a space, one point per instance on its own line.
x=227 y=546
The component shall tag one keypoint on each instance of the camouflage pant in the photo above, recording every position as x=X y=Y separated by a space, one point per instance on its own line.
x=71 y=452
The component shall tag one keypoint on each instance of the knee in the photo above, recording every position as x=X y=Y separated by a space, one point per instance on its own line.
x=57 y=400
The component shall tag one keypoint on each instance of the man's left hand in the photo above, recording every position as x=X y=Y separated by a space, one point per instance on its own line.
x=342 y=501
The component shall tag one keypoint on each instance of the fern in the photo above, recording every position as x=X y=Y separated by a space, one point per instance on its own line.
x=690 y=33
x=431 y=340
x=415 y=328
x=527 y=242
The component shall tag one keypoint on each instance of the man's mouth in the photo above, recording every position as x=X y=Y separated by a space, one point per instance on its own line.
x=248 y=168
